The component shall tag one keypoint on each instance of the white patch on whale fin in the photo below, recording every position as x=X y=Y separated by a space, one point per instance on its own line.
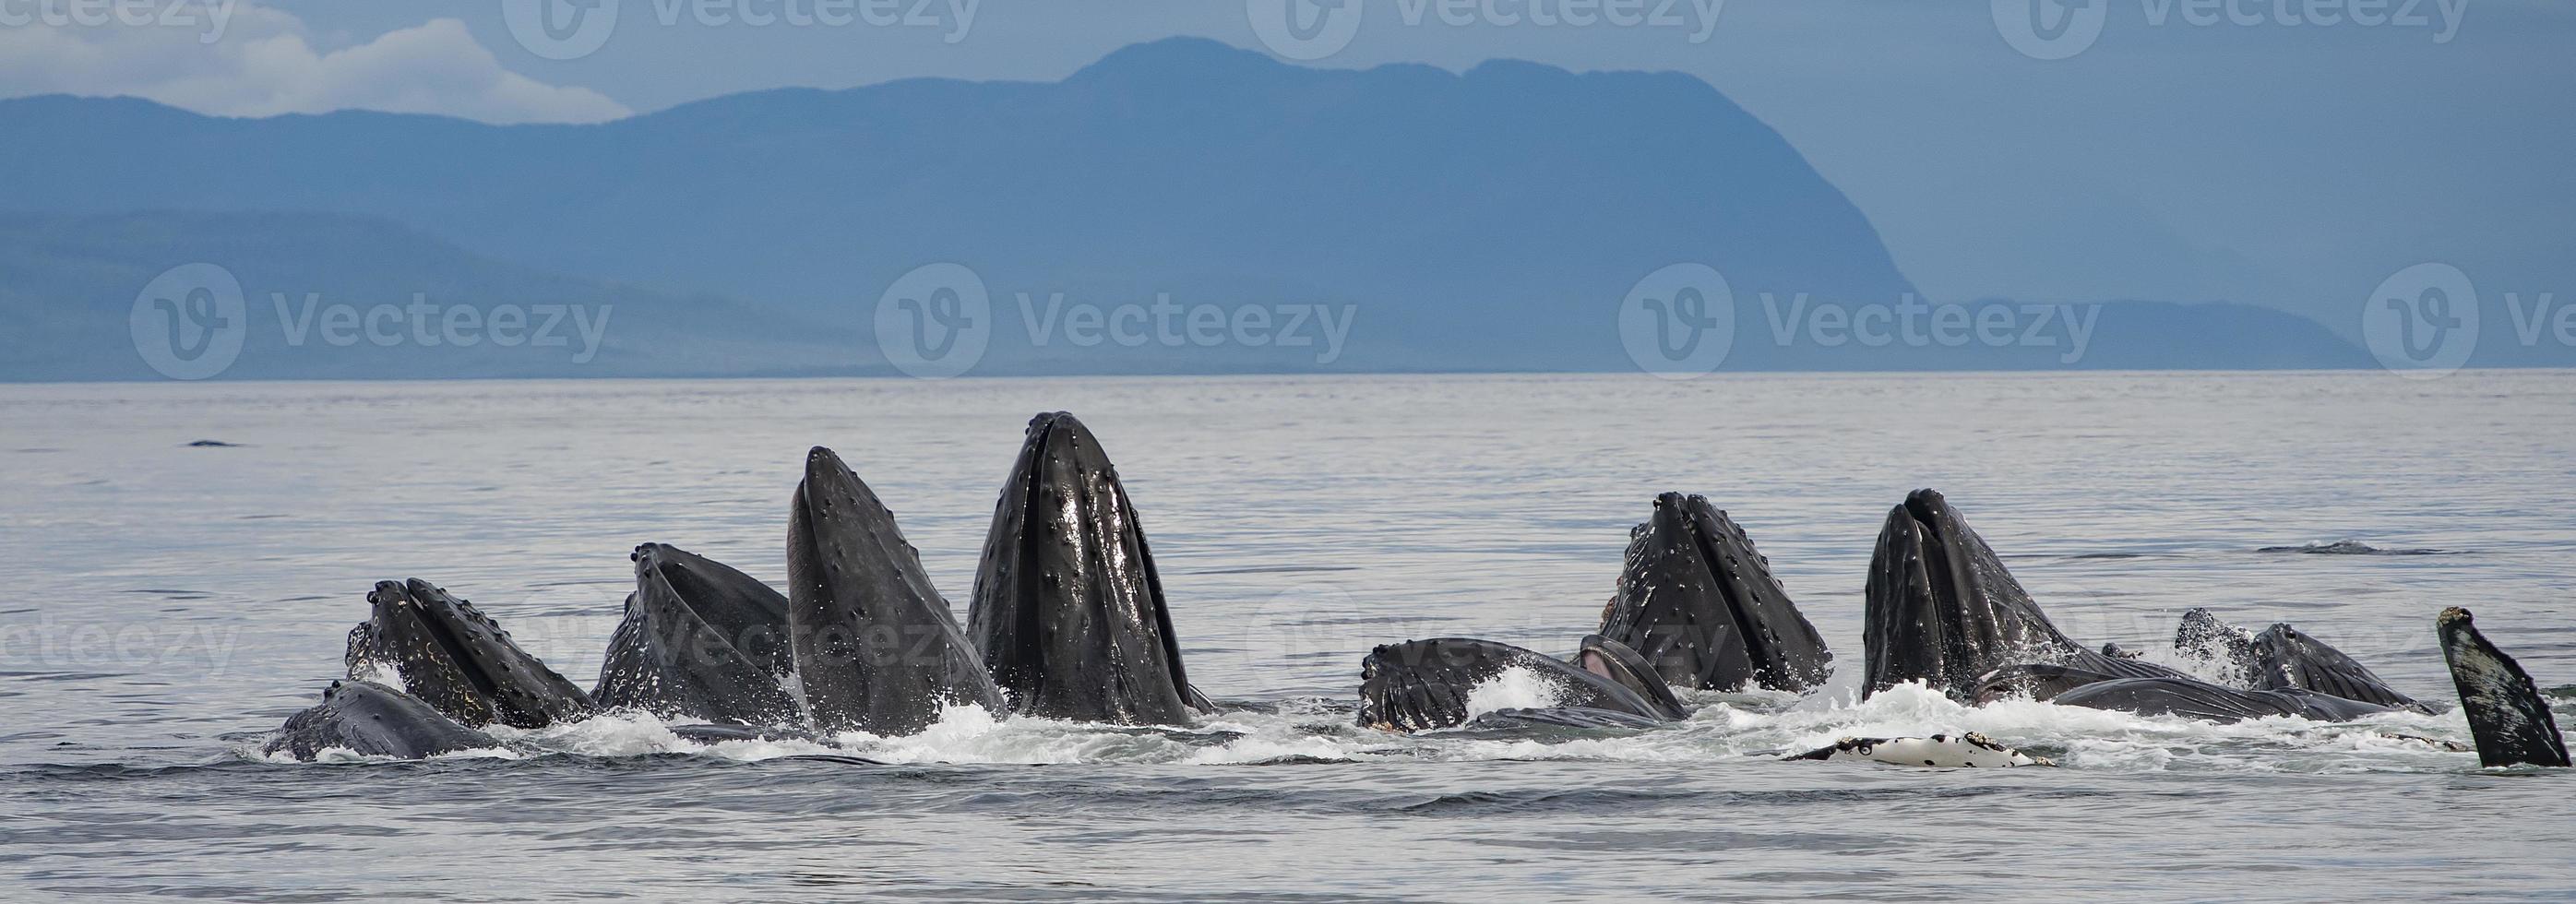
x=1941 y=751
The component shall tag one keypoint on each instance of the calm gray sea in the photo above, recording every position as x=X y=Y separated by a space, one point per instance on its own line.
x=166 y=604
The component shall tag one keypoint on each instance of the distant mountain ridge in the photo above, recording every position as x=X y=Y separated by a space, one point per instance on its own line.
x=1490 y=220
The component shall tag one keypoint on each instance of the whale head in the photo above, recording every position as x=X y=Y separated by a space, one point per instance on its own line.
x=699 y=640
x=875 y=646
x=453 y=657
x=1697 y=601
x=1068 y=609
x=372 y=720
x=1941 y=608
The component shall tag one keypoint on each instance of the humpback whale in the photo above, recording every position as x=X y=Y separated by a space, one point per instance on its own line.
x=453 y=657
x=700 y=640
x=2282 y=658
x=1424 y=684
x=1941 y=609
x=1699 y=602
x=1967 y=751
x=373 y=720
x=875 y=646
x=1068 y=610
x=2507 y=716
x=2175 y=695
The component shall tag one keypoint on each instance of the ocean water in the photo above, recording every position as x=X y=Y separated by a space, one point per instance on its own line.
x=167 y=604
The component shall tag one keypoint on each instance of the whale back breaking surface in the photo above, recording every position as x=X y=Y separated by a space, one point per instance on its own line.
x=700 y=640
x=1426 y=684
x=875 y=646
x=373 y=720
x=2507 y=715
x=1697 y=600
x=450 y=655
x=1068 y=610
x=2167 y=695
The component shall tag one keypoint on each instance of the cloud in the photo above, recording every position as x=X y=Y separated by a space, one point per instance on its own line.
x=262 y=62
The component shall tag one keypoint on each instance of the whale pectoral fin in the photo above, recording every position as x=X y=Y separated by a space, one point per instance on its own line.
x=2506 y=713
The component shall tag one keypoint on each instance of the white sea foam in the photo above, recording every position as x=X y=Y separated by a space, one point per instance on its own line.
x=1724 y=726
x=1514 y=688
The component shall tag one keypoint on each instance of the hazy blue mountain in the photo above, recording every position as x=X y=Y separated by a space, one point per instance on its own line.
x=1491 y=220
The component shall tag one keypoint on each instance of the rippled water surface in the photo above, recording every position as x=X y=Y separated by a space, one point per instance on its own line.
x=167 y=604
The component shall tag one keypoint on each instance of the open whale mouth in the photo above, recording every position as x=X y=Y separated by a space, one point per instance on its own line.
x=699 y=640
x=1942 y=609
x=451 y=655
x=1699 y=602
x=746 y=617
x=1615 y=661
